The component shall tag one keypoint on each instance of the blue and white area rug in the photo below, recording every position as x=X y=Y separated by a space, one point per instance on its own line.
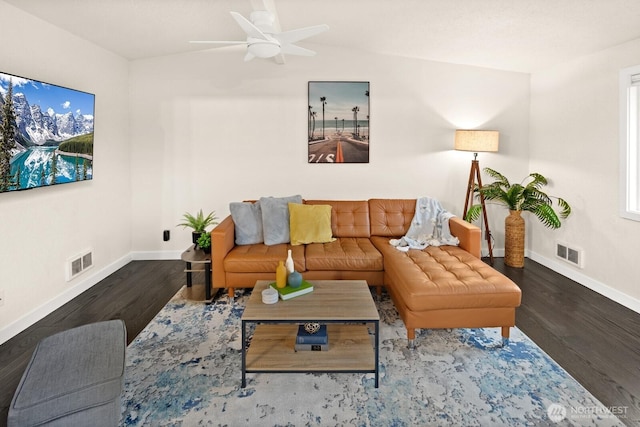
x=184 y=369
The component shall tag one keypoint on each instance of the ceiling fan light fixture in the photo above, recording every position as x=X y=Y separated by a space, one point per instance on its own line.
x=263 y=48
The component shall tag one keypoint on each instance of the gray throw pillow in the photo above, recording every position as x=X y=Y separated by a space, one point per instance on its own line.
x=247 y=218
x=275 y=218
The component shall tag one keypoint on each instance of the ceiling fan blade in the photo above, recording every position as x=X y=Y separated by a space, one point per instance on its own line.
x=264 y=40
x=292 y=49
x=248 y=27
x=293 y=36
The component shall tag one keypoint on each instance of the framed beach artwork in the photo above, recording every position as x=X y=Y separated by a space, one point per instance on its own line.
x=338 y=122
x=46 y=134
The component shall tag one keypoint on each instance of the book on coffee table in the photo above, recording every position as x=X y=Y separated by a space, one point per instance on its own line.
x=305 y=337
x=311 y=347
x=288 y=292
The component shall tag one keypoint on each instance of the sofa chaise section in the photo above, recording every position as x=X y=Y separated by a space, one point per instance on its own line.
x=441 y=286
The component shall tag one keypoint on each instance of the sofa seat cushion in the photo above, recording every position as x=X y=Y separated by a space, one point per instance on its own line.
x=446 y=277
x=261 y=258
x=345 y=254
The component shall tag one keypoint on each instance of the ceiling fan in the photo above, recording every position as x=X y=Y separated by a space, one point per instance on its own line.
x=264 y=41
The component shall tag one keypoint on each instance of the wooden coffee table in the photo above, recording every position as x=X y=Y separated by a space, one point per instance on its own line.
x=346 y=306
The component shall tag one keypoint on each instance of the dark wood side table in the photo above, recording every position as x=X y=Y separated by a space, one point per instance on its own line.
x=198 y=261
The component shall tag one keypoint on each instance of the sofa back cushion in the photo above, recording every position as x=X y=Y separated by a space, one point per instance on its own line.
x=391 y=217
x=349 y=218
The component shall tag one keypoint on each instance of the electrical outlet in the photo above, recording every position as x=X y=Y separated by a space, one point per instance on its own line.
x=1 y=297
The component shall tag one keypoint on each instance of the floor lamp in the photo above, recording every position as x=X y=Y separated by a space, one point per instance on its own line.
x=477 y=141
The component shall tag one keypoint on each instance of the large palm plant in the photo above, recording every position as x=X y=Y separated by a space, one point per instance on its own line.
x=522 y=197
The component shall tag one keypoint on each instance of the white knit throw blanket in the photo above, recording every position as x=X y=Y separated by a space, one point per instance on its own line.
x=429 y=227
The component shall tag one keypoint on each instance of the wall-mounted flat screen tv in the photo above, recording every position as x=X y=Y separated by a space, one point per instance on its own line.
x=46 y=134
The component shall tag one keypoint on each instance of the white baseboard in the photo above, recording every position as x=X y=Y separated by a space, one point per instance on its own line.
x=588 y=282
x=38 y=313
x=584 y=280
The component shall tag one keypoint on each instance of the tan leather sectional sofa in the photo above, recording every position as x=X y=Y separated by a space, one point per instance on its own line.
x=438 y=287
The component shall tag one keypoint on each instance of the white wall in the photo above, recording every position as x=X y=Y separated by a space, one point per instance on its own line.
x=41 y=228
x=200 y=130
x=209 y=129
x=575 y=141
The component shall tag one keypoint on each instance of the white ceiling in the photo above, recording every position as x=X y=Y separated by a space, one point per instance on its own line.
x=515 y=35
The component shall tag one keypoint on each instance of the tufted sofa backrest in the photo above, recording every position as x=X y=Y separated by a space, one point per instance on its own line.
x=391 y=217
x=349 y=218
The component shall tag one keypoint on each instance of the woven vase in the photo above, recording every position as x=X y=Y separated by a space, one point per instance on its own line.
x=514 y=239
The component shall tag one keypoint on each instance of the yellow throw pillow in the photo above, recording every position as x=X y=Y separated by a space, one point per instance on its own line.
x=309 y=224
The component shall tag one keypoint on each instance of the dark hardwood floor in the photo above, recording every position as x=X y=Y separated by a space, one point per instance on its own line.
x=596 y=340
x=135 y=294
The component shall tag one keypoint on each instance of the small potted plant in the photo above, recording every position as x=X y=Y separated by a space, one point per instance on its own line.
x=519 y=197
x=204 y=242
x=198 y=223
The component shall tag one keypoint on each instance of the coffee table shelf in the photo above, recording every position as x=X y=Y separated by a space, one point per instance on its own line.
x=272 y=350
x=353 y=327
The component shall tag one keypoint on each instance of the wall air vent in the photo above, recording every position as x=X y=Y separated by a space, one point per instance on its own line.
x=574 y=256
x=78 y=264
